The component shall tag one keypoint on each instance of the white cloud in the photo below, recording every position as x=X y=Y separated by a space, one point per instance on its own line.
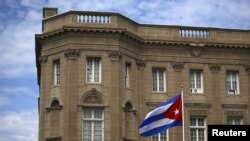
x=18 y=46
x=11 y=91
x=19 y=126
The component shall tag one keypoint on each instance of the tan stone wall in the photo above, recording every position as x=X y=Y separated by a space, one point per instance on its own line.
x=115 y=50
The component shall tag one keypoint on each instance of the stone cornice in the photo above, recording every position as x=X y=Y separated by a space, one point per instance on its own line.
x=141 y=40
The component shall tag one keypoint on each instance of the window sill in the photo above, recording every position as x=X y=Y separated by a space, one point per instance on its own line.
x=54 y=86
x=165 y=93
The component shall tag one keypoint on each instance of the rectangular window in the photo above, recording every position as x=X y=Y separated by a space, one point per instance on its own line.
x=196 y=81
x=232 y=82
x=197 y=129
x=163 y=136
x=234 y=120
x=56 y=72
x=93 y=124
x=93 y=70
x=127 y=74
x=159 y=80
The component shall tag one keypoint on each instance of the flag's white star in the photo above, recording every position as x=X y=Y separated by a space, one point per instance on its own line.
x=176 y=111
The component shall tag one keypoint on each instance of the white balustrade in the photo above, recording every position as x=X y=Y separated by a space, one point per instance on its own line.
x=100 y=19
x=193 y=33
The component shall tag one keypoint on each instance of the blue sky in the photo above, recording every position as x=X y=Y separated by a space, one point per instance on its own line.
x=20 y=20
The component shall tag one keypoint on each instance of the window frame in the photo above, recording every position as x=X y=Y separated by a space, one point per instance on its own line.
x=231 y=90
x=195 y=89
x=56 y=72
x=159 y=136
x=92 y=119
x=92 y=80
x=197 y=127
x=234 y=118
x=127 y=75
x=158 y=79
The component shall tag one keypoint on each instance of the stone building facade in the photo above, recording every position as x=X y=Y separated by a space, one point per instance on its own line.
x=100 y=73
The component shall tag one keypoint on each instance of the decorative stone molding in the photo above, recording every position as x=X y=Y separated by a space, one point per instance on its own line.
x=178 y=66
x=72 y=54
x=198 y=105
x=198 y=112
x=43 y=60
x=214 y=67
x=140 y=64
x=195 y=51
x=234 y=106
x=92 y=98
x=115 y=55
x=48 y=109
x=235 y=113
x=247 y=68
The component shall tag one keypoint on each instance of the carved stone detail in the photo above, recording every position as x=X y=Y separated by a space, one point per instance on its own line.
x=72 y=53
x=196 y=51
x=198 y=105
x=198 y=112
x=178 y=66
x=234 y=113
x=140 y=64
x=43 y=60
x=234 y=106
x=92 y=99
x=215 y=67
x=247 y=68
x=115 y=55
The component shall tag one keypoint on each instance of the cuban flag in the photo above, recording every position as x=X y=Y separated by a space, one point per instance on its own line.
x=167 y=115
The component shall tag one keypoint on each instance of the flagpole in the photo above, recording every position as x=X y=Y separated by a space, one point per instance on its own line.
x=183 y=118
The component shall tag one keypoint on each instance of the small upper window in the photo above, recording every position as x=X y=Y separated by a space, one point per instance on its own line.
x=233 y=82
x=236 y=120
x=57 y=72
x=196 y=81
x=127 y=74
x=93 y=70
x=159 y=79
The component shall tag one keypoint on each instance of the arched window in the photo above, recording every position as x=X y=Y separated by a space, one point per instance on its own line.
x=130 y=121
x=54 y=117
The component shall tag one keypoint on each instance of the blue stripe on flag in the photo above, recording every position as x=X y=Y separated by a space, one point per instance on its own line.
x=160 y=129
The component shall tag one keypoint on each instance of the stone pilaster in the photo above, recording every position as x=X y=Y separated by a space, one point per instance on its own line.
x=42 y=110
x=115 y=95
x=70 y=111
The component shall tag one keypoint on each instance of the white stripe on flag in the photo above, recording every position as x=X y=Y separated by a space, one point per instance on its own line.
x=156 y=124
x=158 y=110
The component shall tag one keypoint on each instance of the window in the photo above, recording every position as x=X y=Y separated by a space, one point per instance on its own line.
x=163 y=136
x=232 y=82
x=93 y=124
x=197 y=129
x=196 y=81
x=56 y=72
x=159 y=81
x=234 y=120
x=93 y=70
x=127 y=74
